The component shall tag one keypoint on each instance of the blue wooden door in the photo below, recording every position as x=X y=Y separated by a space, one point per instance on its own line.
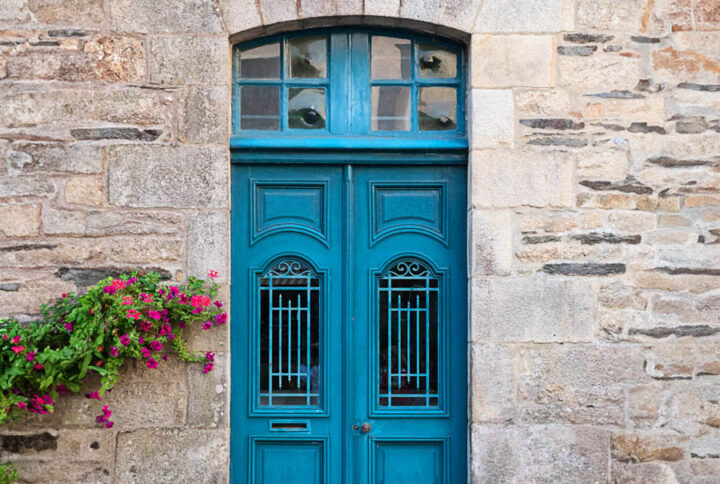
x=349 y=335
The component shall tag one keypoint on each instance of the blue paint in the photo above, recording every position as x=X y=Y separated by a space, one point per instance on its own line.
x=349 y=204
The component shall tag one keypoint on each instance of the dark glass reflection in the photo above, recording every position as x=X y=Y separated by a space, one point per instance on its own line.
x=308 y=57
x=306 y=108
x=260 y=107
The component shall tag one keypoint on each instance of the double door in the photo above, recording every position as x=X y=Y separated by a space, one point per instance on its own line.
x=349 y=339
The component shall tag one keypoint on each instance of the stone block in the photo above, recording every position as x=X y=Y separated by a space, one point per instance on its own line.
x=110 y=59
x=209 y=394
x=164 y=16
x=239 y=15
x=542 y=453
x=634 y=473
x=139 y=250
x=68 y=13
x=273 y=11
x=316 y=8
x=602 y=71
x=27 y=157
x=53 y=252
x=351 y=7
x=530 y=16
x=204 y=116
x=189 y=60
x=458 y=14
x=512 y=61
x=174 y=177
x=33 y=186
x=116 y=222
x=504 y=178
x=537 y=309
x=31 y=294
x=493 y=385
x=542 y=102
x=631 y=221
x=631 y=16
x=491 y=242
x=171 y=456
x=693 y=57
x=19 y=220
x=423 y=10
x=493 y=118
x=607 y=165
x=85 y=190
x=148 y=405
x=382 y=8
x=208 y=244
x=639 y=446
x=65 y=444
x=553 y=222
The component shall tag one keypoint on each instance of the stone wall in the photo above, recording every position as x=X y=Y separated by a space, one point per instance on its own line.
x=594 y=221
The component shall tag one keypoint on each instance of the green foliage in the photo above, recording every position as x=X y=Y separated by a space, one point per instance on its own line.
x=129 y=317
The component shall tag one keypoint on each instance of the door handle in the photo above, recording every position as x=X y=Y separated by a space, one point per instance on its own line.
x=364 y=428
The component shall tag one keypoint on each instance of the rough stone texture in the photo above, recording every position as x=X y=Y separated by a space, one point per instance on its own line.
x=593 y=227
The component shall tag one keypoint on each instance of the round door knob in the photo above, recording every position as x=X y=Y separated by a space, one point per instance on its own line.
x=365 y=428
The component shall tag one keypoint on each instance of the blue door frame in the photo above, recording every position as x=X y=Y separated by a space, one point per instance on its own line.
x=349 y=283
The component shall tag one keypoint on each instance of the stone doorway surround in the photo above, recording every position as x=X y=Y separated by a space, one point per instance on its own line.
x=593 y=208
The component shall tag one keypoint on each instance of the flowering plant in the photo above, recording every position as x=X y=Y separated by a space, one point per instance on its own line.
x=133 y=316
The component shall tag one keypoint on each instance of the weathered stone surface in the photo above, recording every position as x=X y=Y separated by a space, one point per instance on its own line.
x=491 y=251
x=512 y=61
x=599 y=71
x=140 y=250
x=116 y=222
x=273 y=11
x=26 y=186
x=208 y=401
x=172 y=176
x=239 y=15
x=458 y=14
x=188 y=60
x=504 y=178
x=87 y=14
x=384 y=8
x=90 y=276
x=29 y=295
x=493 y=118
x=609 y=165
x=551 y=453
x=85 y=190
x=615 y=15
x=169 y=456
x=111 y=59
x=204 y=116
x=149 y=405
x=56 y=252
x=208 y=243
x=66 y=444
x=24 y=157
x=19 y=220
x=584 y=269
x=631 y=447
x=178 y=16
x=532 y=309
x=531 y=16
x=633 y=473
x=131 y=134
x=693 y=57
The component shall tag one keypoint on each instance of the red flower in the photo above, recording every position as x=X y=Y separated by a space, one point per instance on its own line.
x=18 y=349
x=30 y=355
x=207 y=368
x=213 y=274
x=38 y=366
x=93 y=396
x=16 y=339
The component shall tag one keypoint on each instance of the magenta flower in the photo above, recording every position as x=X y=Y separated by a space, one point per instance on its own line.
x=183 y=299
x=165 y=329
x=212 y=274
x=132 y=280
x=141 y=340
x=151 y=363
x=38 y=366
x=146 y=325
x=219 y=304
x=207 y=325
x=16 y=339
x=221 y=318
x=18 y=349
x=133 y=314
x=154 y=314
x=146 y=298
x=69 y=327
x=161 y=292
x=93 y=396
x=127 y=300
x=145 y=352
x=110 y=289
x=62 y=389
x=22 y=405
x=114 y=351
x=30 y=355
x=207 y=368
x=199 y=300
x=109 y=424
x=165 y=357
x=125 y=340
x=210 y=356
x=156 y=345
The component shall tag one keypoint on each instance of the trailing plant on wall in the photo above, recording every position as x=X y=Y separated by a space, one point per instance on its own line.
x=133 y=316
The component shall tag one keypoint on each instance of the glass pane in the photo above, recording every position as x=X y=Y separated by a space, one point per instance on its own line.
x=390 y=108
x=436 y=62
x=408 y=336
x=308 y=57
x=437 y=108
x=306 y=108
x=390 y=58
x=261 y=62
x=289 y=331
x=260 y=107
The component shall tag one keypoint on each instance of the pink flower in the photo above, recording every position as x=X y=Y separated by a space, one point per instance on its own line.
x=93 y=396
x=106 y=413
x=151 y=363
x=92 y=311
x=6 y=337
x=69 y=327
x=38 y=366
x=207 y=368
x=183 y=299
x=127 y=300
x=213 y=274
x=110 y=289
x=207 y=325
x=145 y=352
x=109 y=424
x=62 y=389
x=133 y=314
x=199 y=300
x=210 y=356
x=156 y=345
x=154 y=314
x=197 y=310
x=16 y=339
x=146 y=298
x=221 y=318
x=165 y=329
x=22 y=405
x=132 y=280
x=18 y=349
x=125 y=340
x=30 y=355
x=114 y=351
x=219 y=304
x=146 y=325
x=141 y=340
x=165 y=357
